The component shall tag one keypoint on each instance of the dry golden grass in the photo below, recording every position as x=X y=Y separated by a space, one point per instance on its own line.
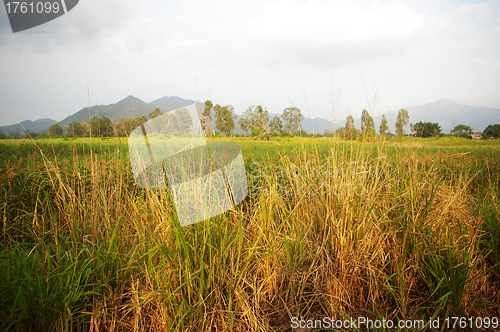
x=346 y=235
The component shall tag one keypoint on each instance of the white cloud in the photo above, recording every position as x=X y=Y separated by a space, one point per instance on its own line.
x=480 y=11
x=335 y=32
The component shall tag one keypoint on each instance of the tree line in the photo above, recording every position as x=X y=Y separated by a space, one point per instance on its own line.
x=254 y=122
x=419 y=129
x=368 y=126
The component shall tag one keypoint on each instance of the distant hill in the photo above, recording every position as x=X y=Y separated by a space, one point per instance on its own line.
x=443 y=112
x=132 y=107
x=129 y=107
x=316 y=125
x=167 y=104
x=36 y=126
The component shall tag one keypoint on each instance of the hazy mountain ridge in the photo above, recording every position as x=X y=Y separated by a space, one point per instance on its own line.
x=442 y=111
x=167 y=104
x=36 y=126
x=129 y=107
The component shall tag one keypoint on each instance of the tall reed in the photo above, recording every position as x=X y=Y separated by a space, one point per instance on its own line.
x=347 y=233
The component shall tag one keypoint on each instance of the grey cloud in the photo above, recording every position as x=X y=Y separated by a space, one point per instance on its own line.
x=290 y=52
x=90 y=22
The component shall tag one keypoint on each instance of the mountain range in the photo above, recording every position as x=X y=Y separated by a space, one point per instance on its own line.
x=36 y=126
x=130 y=107
x=445 y=112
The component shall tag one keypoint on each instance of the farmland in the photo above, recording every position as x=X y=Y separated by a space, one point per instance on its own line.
x=399 y=229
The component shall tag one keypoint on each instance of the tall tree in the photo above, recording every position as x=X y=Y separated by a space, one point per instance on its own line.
x=244 y=124
x=259 y=123
x=16 y=134
x=247 y=119
x=184 y=120
x=95 y=129
x=426 y=129
x=402 y=120
x=75 y=129
x=224 y=119
x=125 y=127
x=154 y=113
x=462 y=130
x=139 y=121
x=255 y=119
x=384 y=128
x=30 y=134
x=206 y=117
x=172 y=126
x=2 y=135
x=349 y=127
x=276 y=125
x=101 y=127
x=367 y=125
x=492 y=131
x=85 y=129
x=293 y=119
x=55 y=130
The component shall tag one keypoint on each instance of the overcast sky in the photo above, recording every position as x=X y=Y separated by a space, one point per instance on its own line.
x=316 y=55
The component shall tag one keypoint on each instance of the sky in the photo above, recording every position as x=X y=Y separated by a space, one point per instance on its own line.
x=330 y=59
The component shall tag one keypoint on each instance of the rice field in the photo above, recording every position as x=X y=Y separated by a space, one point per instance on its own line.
x=394 y=230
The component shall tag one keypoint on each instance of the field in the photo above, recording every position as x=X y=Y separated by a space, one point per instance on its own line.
x=389 y=230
